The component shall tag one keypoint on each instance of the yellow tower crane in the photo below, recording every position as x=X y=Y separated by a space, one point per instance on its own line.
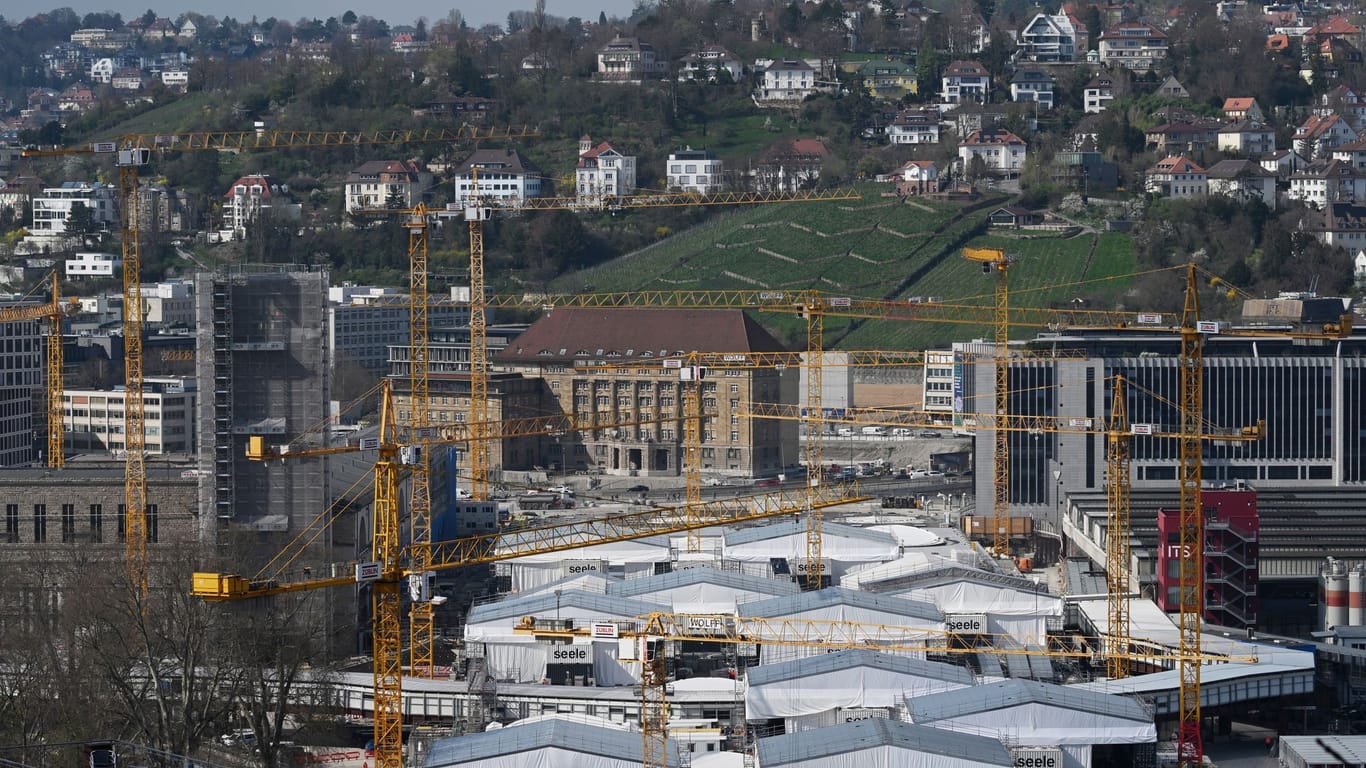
x=131 y=152
x=388 y=567
x=997 y=262
x=54 y=312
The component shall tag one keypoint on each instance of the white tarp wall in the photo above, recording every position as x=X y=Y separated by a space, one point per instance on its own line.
x=843 y=688
x=888 y=757
x=835 y=717
x=524 y=660
x=633 y=558
x=770 y=653
x=1020 y=614
x=703 y=598
x=1042 y=725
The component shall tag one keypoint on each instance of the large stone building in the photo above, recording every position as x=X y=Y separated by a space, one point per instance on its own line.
x=21 y=380
x=606 y=363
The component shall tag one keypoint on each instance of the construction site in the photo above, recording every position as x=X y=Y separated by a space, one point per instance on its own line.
x=637 y=530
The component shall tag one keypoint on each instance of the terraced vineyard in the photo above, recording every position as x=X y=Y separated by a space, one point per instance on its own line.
x=877 y=247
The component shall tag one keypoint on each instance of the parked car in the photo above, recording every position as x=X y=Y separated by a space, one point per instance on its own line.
x=767 y=482
x=560 y=489
x=639 y=489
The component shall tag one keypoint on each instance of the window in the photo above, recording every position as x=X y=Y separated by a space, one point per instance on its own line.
x=12 y=523
x=96 y=523
x=152 y=523
x=68 y=523
x=734 y=436
x=39 y=523
x=122 y=523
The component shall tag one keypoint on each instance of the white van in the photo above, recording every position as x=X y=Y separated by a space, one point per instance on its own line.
x=874 y=431
x=845 y=432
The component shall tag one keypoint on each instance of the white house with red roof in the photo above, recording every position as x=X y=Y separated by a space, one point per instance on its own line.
x=1319 y=135
x=1177 y=177
x=603 y=171
x=917 y=177
x=1243 y=109
x=253 y=196
x=1001 y=150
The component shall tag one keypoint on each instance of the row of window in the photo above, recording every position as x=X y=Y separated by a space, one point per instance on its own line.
x=68 y=523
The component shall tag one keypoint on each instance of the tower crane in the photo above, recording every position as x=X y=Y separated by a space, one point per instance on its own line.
x=997 y=262
x=389 y=567
x=134 y=150
x=421 y=628
x=652 y=630
x=54 y=312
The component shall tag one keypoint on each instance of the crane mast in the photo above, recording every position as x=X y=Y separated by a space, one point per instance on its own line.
x=1190 y=748
x=1117 y=534
x=421 y=632
x=134 y=411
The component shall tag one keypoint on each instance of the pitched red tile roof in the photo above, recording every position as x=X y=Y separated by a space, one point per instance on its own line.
x=569 y=333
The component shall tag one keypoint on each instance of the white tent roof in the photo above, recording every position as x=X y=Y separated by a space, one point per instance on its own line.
x=718 y=760
x=957 y=588
x=837 y=604
x=879 y=742
x=910 y=536
x=702 y=590
x=787 y=538
x=844 y=679
x=581 y=582
x=546 y=744
x=1036 y=714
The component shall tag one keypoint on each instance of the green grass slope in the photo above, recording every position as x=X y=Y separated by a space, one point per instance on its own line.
x=875 y=247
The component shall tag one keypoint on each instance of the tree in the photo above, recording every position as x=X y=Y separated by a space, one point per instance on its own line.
x=349 y=18
x=80 y=221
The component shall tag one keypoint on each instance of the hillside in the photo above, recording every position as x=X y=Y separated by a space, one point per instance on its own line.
x=875 y=247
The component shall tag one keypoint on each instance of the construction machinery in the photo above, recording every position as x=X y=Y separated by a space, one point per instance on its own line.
x=54 y=312
x=391 y=565
x=130 y=153
x=997 y=263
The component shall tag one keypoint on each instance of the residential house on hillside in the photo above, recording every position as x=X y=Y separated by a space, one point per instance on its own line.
x=462 y=109
x=1320 y=134
x=917 y=177
x=964 y=82
x=1348 y=102
x=790 y=165
x=788 y=80
x=914 y=126
x=52 y=208
x=386 y=184
x=502 y=174
x=1353 y=154
x=1177 y=178
x=1133 y=45
x=1049 y=38
x=1243 y=180
x=127 y=79
x=253 y=196
x=1336 y=28
x=628 y=60
x=603 y=171
x=1327 y=181
x=711 y=64
x=1283 y=162
x=1336 y=59
x=1098 y=94
x=1184 y=138
x=1000 y=150
x=694 y=170
x=1033 y=85
x=1243 y=109
x=1248 y=137
x=1171 y=88
x=1340 y=224
x=889 y=78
